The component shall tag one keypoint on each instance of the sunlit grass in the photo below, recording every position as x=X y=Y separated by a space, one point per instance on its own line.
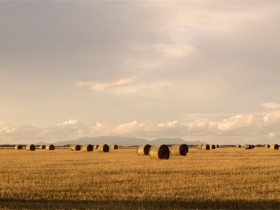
x=221 y=178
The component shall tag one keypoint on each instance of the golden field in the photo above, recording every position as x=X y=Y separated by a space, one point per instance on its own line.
x=228 y=178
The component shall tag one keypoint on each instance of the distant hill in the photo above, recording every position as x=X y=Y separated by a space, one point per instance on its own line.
x=41 y=143
x=174 y=141
x=125 y=141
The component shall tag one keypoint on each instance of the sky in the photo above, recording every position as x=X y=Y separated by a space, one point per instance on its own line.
x=203 y=70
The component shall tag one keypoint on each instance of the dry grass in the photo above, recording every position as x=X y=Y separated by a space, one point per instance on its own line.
x=228 y=178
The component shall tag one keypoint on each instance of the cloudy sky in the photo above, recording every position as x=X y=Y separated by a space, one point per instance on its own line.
x=201 y=70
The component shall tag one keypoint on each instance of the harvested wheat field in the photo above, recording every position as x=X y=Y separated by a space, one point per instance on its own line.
x=227 y=178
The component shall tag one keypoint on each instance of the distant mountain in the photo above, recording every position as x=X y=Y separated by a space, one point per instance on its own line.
x=174 y=141
x=125 y=141
x=41 y=143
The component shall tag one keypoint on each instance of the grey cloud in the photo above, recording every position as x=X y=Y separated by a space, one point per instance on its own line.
x=187 y=57
x=47 y=37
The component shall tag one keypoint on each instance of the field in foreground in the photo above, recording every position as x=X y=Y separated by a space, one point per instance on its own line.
x=230 y=178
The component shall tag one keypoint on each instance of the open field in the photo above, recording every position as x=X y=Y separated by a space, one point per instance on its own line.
x=228 y=178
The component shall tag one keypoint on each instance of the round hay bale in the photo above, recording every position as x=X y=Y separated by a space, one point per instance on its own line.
x=42 y=147
x=87 y=148
x=75 y=147
x=206 y=146
x=213 y=146
x=199 y=146
x=143 y=149
x=267 y=146
x=238 y=146
x=30 y=147
x=103 y=148
x=18 y=147
x=114 y=146
x=179 y=150
x=159 y=152
x=274 y=146
x=50 y=147
x=248 y=146
x=217 y=146
x=96 y=146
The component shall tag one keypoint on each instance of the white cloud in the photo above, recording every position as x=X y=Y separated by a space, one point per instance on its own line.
x=129 y=87
x=271 y=134
x=201 y=124
x=129 y=128
x=96 y=86
x=271 y=105
x=148 y=90
x=68 y=122
x=6 y=128
x=98 y=126
x=171 y=124
x=271 y=118
x=26 y=134
x=99 y=129
x=72 y=128
x=219 y=128
x=236 y=122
